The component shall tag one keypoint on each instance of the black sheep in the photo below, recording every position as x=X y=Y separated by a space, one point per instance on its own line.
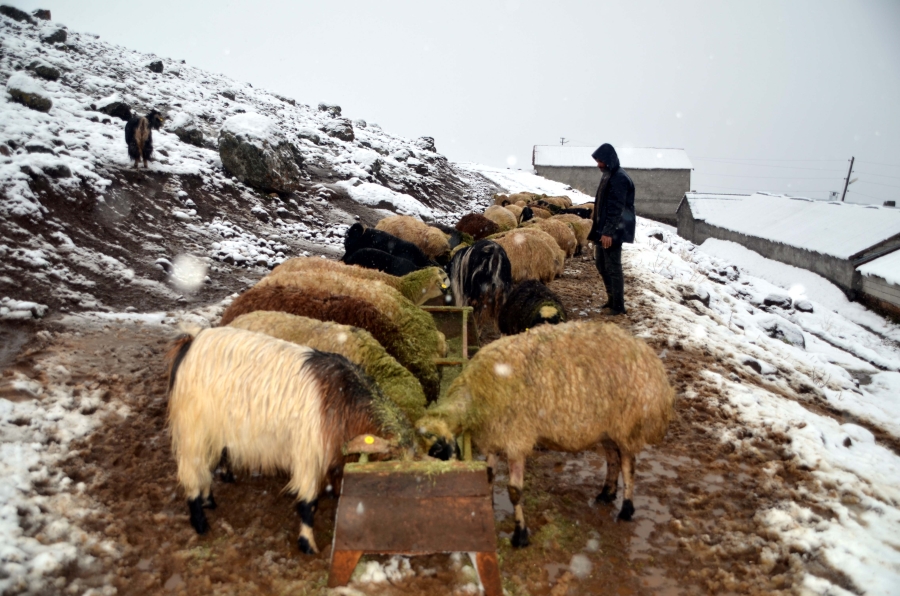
x=528 y=305
x=359 y=237
x=481 y=277
x=139 y=137
x=527 y=214
x=372 y=258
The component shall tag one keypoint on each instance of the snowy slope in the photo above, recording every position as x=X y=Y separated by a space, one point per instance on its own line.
x=82 y=230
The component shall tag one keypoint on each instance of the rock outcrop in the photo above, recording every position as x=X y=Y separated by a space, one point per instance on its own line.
x=254 y=151
x=28 y=92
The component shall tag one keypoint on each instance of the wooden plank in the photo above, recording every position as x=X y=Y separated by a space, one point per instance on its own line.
x=420 y=480
x=414 y=525
x=343 y=562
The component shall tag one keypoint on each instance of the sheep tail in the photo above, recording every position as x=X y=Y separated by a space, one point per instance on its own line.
x=179 y=349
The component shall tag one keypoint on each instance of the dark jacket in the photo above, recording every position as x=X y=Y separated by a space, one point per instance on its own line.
x=614 y=203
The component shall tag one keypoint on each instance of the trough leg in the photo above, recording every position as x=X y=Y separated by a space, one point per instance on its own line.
x=489 y=572
x=628 y=480
x=343 y=562
x=491 y=466
x=516 y=484
x=613 y=465
x=307 y=510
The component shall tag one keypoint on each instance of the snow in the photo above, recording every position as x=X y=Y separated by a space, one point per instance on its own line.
x=24 y=83
x=375 y=195
x=522 y=181
x=253 y=127
x=635 y=158
x=886 y=267
x=841 y=230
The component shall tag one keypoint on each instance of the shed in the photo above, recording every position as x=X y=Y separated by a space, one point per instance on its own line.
x=661 y=176
x=836 y=240
x=881 y=282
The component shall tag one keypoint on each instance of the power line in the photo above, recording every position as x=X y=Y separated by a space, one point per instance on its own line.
x=890 y=165
x=863 y=195
x=879 y=175
x=879 y=184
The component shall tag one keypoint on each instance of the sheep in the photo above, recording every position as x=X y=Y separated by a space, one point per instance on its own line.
x=272 y=405
x=528 y=305
x=139 y=136
x=477 y=225
x=431 y=240
x=512 y=199
x=418 y=286
x=560 y=202
x=544 y=387
x=515 y=210
x=407 y=332
x=579 y=211
x=562 y=234
x=481 y=277
x=372 y=258
x=358 y=345
x=580 y=226
x=540 y=212
x=532 y=253
x=359 y=236
x=501 y=216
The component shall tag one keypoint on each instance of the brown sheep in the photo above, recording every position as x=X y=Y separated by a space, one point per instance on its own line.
x=532 y=253
x=477 y=226
x=561 y=232
x=544 y=387
x=431 y=240
x=580 y=226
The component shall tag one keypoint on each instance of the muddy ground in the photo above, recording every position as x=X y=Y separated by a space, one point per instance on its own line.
x=694 y=530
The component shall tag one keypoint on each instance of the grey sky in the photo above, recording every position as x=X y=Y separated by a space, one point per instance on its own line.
x=752 y=80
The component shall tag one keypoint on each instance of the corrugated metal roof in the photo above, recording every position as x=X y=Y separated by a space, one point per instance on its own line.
x=636 y=158
x=837 y=229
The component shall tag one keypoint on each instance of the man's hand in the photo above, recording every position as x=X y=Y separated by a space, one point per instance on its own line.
x=605 y=241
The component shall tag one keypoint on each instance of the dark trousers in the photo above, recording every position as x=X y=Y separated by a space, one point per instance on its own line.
x=609 y=264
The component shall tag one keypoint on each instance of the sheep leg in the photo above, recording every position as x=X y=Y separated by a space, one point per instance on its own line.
x=225 y=472
x=198 y=517
x=491 y=466
x=613 y=465
x=516 y=484
x=306 y=541
x=628 y=480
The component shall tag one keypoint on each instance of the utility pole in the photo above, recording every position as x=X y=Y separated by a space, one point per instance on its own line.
x=563 y=140
x=847 y=181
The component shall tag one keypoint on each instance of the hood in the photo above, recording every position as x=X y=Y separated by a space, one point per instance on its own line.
x=607 y=154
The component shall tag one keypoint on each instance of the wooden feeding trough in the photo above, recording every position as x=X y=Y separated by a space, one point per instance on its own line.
x=415 y=508
x=419 y=508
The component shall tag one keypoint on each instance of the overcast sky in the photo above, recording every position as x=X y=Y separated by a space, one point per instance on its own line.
x=763 y=95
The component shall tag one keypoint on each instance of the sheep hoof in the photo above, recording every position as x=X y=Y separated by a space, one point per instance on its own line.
x=226 y=476
x=520 y=537
x=627 y=510
x=305 y=547
x=198 y=518
x=606 y=496
x=210 y=502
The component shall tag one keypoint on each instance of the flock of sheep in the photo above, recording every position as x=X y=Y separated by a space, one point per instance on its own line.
x=320 y=352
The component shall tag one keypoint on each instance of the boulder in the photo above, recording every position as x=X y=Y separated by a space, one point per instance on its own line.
x=339 y=128
x=156 y=66
x=186 y=130
x=333 y=110
x=778 y=328
x=53 y=34
x=360 y=123
x=695 y=293
x=227 y=94
x=16 y=14
x=803 y=306
x=28 y=92
x=310 y=135
x=42 y=14
x=57 y=171
x=254 y=151
x=426 y=144
x=114 y=106
x=44 y=70
x=779 y=300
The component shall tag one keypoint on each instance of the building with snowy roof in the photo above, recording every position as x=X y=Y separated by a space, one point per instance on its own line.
x=853 y=246
x=661 y=176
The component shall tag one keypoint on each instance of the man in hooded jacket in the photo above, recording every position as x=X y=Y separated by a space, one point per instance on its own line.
x=614 y=223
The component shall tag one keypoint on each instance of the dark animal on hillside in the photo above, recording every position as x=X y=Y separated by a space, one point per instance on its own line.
x=527 y=214
x=477 y=225
x=139 y=136
x=528 y=305
x=579 y=211
x=372 y=258
x=359 y=237
x=481 y=277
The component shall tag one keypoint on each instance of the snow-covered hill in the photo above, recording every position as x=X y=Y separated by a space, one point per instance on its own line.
x=82 y=230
